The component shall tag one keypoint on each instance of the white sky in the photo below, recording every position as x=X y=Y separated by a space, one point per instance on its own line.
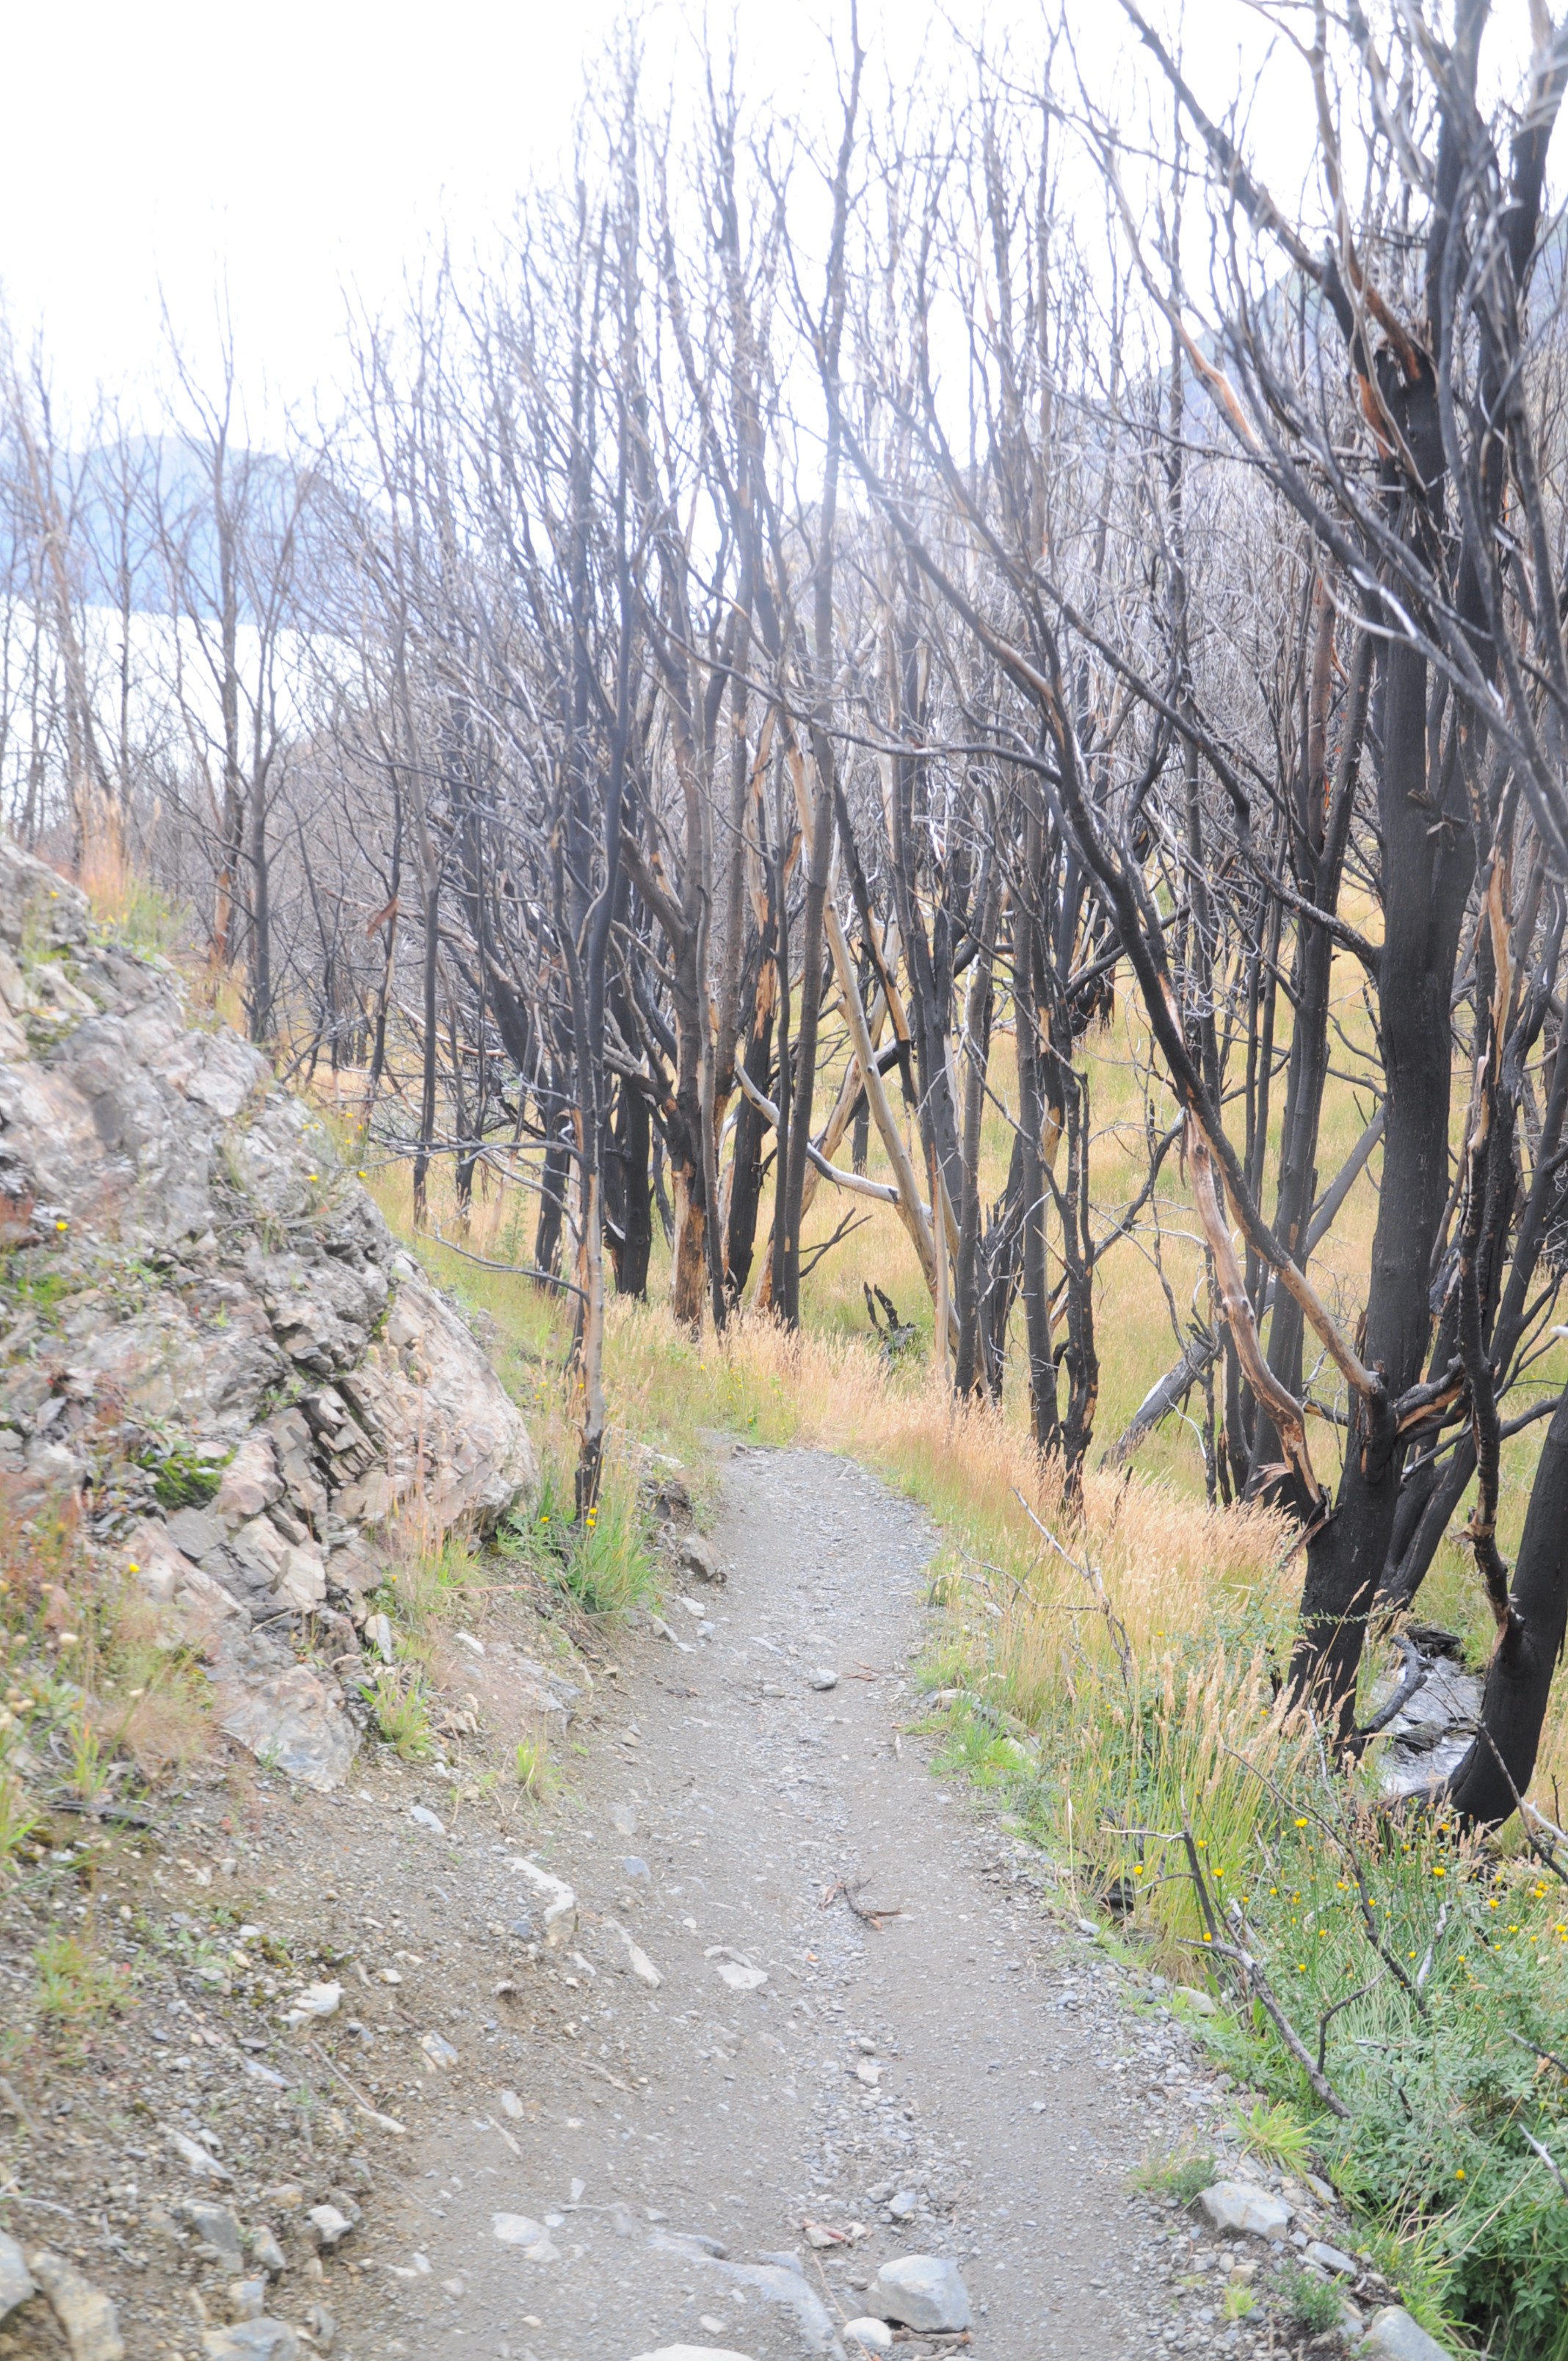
x=291 y=148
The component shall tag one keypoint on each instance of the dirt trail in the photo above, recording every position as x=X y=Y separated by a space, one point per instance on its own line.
x=1015 y=2095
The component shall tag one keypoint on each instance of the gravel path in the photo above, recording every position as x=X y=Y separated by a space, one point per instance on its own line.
x=965 y=2080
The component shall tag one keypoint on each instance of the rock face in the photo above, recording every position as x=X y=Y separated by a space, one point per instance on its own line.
x=255 y=1394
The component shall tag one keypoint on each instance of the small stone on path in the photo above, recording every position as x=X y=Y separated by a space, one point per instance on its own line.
x=700 y=1558
x=330 y=2227
x=218 y=2228
x=266 y=2253
x=532 y=2237
x=195 y=2158
x=824 y=1678
x=694 y=2352
x=315 y=2001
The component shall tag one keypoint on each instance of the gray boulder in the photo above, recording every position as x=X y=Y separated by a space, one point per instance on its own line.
x=15 y=2280
x=1393 y=2336
x=921 y=2291
x=295 y=1720
x=217 y=2227
x=1240 y=2205
x=89 y=2320
x=700 y=1558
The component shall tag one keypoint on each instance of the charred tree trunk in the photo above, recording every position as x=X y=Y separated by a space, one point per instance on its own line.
x=1496 y=1771
x=787 y=1304
x=1426 y=870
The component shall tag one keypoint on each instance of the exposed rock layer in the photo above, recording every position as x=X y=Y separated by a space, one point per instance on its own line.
x=219 y=1346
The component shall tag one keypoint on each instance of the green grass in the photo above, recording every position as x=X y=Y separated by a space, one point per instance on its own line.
x=1277 y=2133
x=532 y=1763
x=75 y=1988
x=182 y=1478
x=1185 y=2178
x=401 y=1708
x=602 y=1562
x=17 y=1819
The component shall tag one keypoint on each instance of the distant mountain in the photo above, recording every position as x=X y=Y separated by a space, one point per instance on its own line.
x=141 y=524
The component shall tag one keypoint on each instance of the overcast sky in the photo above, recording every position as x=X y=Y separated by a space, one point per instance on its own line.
x=156 y=149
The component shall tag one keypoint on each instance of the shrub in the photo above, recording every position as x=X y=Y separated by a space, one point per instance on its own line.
x=1314 y=2304
x=602 y=1562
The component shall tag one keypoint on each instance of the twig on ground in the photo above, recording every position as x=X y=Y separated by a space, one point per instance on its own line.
x=1424 y=1971
x=592 y=2067
x=1250 y=1976
x=850 y=1888
x=385 y=2123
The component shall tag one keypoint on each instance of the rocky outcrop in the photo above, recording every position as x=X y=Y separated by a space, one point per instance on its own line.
x=209 y=1334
